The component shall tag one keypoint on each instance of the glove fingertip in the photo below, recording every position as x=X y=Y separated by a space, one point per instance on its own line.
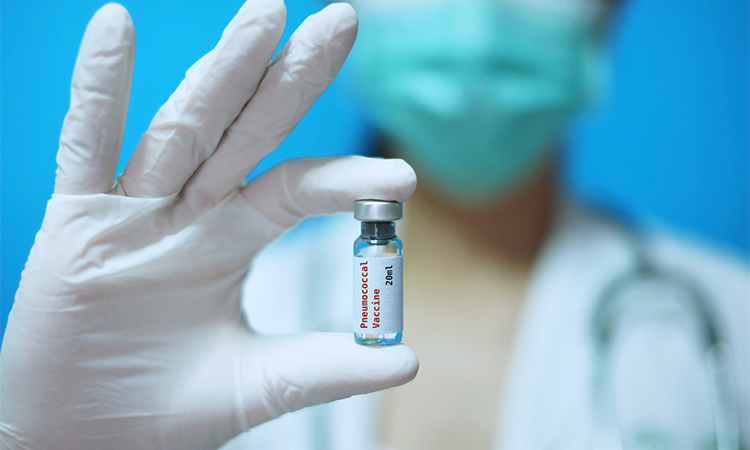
x=409 y=366
x=406 y=178
x=113 y=15
x=347 y=17
x=318 y=368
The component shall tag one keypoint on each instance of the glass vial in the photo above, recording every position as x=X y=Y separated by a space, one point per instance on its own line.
x=378 y=275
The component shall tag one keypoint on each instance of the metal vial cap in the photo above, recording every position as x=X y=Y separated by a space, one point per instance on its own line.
x=377 y=211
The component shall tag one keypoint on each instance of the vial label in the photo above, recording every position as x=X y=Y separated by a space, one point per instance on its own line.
x=378 y=295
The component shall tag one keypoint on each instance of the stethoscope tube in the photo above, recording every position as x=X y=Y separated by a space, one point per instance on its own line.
x=613 y=305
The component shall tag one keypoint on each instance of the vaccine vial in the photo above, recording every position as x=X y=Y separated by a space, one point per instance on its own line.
x=378 y=274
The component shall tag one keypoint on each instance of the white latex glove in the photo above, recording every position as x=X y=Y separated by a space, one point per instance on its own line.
x=126 y=332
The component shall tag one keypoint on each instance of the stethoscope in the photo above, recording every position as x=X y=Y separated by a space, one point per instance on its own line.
x=650 y=293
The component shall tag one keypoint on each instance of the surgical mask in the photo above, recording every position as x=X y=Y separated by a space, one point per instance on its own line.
x=473 y=93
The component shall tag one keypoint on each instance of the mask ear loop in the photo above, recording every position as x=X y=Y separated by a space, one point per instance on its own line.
x=612 y=306
x=600 y=22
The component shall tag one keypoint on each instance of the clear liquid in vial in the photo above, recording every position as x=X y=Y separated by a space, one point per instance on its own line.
x=371 y=249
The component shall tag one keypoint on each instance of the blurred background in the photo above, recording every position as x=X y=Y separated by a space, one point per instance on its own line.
x=668 y=142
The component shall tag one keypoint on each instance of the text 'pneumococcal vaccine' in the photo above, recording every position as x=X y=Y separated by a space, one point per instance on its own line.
x=378 y=274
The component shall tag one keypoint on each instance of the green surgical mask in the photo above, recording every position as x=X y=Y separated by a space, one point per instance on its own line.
x=473 y=93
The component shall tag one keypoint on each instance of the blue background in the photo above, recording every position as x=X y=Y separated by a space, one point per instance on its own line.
x=669 y=142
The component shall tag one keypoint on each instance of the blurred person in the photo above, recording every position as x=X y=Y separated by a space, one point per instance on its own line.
x=540 y=323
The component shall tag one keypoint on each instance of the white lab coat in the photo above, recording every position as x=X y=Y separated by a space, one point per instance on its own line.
x=304 y=281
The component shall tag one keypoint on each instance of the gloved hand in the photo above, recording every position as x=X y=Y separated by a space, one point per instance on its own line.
x=126 y=330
